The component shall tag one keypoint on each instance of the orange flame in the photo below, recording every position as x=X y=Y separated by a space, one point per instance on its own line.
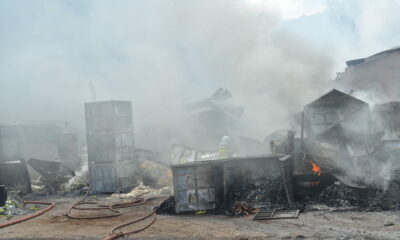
x=316 y=169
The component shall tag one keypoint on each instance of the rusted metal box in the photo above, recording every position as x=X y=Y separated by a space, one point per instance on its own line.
x=203 y=185
x=198 y=185
x=110 y=142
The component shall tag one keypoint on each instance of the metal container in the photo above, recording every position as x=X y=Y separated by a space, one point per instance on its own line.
x=110 y=147
x=198 y=185
x=110 y=177
x=203 y=185
x=110 y=143
x=108 y=116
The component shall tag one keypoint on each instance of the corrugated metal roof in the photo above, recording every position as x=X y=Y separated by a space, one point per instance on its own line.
x=335 y=97
x=356 y=62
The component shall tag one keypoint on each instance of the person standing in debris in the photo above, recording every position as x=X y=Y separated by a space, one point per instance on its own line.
x=225 y=147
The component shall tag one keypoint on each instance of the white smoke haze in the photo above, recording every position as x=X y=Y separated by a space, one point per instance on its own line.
x=161 y=55
x=351 y=29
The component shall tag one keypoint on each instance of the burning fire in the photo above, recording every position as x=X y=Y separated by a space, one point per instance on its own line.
x=316 y=169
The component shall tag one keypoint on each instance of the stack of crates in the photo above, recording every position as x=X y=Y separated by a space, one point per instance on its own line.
x=110 y=142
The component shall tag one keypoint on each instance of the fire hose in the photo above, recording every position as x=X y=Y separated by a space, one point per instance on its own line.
x=122 y=234
x=113 y=208
x=26 y=218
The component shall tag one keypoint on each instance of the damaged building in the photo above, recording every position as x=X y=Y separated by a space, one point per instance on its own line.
x=339 y=159
x=209 y=121
x=44 y=142
x=212 y=118
x=333 y=108
x=375 y=77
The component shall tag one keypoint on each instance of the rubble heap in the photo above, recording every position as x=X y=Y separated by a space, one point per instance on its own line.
x=339 y=196
x=261 y=192
x=367 y=199
x=167 y=207
x=269 y=194
x=15 y=207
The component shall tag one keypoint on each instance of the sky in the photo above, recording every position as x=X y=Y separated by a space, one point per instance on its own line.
x=274 y=55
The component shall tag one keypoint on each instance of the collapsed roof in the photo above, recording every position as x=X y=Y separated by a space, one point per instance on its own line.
x=211 y=118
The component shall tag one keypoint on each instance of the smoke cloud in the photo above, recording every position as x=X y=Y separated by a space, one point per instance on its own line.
x=350 y=29
x=161 y=55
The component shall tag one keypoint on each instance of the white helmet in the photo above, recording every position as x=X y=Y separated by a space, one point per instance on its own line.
x=225 y=140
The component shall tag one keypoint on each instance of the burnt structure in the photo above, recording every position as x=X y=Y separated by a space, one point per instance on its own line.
x=335 y=108
x=337 y=128
x=212 y=118
x=29 y=140
x=110 y=142
x=376 y=76
x=211 y=185
x=340 y=159
x=22 y=141
x=15 y=174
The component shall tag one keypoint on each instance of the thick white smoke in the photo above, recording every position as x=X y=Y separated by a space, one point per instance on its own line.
x=159 y=54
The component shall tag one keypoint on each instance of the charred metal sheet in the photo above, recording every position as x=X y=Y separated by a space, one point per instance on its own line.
x=15 y=174
x=50 y=169
x=3 y=195
x=276 y=214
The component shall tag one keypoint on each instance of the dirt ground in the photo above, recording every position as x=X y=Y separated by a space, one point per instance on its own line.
x=310 y=225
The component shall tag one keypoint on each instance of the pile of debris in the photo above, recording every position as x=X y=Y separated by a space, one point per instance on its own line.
x=383 y=199
x=167 y=207
x=342 y=197
x=15 y=207
x=262 y=192
x=269 y=194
